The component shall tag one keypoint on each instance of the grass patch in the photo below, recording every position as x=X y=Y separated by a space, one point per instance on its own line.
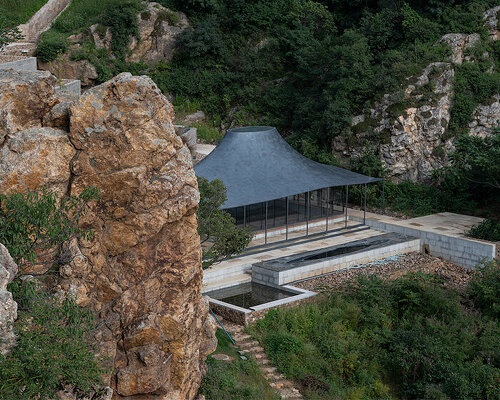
x=20 y=11
x=208 y=133
x=53 y=348
x=237 y=380
x=411 y=338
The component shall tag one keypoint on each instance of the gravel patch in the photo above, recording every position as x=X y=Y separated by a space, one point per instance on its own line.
x=393 y=268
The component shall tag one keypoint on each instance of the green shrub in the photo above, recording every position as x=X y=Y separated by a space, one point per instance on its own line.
x=50 y=45
x=485 y=288
x=33 y=224
x=489 y=229
x=53 y=347
x=207 y=133
x=409 y=338
x=216 y=227
x=121 y=17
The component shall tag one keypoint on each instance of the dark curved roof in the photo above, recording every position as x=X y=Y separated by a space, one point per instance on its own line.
x=256 y=164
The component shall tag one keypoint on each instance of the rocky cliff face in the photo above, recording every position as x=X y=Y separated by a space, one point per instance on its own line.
x=142 y=274
x=411 y=125
x=8 y=307
x=158 y=28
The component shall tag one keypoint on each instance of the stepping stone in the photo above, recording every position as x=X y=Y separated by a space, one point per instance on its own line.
x=241 y=352
x=241 y=336
x=221 y=357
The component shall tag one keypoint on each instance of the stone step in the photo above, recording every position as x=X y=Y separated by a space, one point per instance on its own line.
x=268 y=370
x=289 y=394
x=281 y=384
x=241 y=336
x=248 y=344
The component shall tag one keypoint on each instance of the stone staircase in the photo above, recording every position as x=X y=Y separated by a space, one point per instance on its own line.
x=248 y=346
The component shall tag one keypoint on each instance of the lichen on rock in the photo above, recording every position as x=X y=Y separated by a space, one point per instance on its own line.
x=142 y=274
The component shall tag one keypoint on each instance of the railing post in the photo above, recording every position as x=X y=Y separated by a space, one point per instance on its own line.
x=286 y=218
x=265 y=225
x=364 y=209
x=346 y=200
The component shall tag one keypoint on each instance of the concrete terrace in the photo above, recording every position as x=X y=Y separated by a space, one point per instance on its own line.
x=441 y=234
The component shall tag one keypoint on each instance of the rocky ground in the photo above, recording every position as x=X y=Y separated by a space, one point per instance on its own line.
x=392 y=268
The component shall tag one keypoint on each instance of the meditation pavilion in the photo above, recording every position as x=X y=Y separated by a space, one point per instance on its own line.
x=271 y=187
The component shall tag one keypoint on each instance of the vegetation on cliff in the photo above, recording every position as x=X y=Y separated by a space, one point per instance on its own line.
x=411 y=338
x=54 y=347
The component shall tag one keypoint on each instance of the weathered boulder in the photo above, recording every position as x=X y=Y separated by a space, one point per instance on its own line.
x=70 y=69
x=25 y=96
x=491 y=21
x=409 y=126
x=158 y=30
x=8 y=307
x=458 y=43
x=143 y=273
x=36 y=157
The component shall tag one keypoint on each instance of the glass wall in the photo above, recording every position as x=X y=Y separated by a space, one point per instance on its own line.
x=312 y=206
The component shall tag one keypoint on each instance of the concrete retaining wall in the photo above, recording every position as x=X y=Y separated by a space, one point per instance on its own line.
x=265 y=276
x=462 y=251
x=20 y=64
x=42 y=20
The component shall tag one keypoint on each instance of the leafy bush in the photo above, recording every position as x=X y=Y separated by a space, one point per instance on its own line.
x=410 y=338
x=50 y=45
x=207 y=133
x=53 y=347
x=34 y=224
x=121 y=17
x=489 y=229
x=216 y=227
x=485 y=288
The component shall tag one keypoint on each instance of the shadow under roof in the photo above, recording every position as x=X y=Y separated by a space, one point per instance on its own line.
x=256 y=165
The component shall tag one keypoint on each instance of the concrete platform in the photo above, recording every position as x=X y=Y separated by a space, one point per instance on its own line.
x=442 y=235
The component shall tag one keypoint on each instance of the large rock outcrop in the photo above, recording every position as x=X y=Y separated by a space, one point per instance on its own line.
x=158 y=28
x=142 y=274
x=24 y=99
x=8 y=307
x=158 y=31
x=409 y=129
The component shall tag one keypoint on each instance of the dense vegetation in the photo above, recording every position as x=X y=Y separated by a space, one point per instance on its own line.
x=219 y=235
x=306 y=67
x=235 y=380
x=469 y=184
x=53 y=345
x=411 y=338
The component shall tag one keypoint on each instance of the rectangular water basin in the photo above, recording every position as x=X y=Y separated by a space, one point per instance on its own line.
x=249 y=301
x=283 y=270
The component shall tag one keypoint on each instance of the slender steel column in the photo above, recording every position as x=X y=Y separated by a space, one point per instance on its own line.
x=274 y=213
x=364 y=208
x=346 y=200
x=327 y=207
x=244 y=216
x=383 y=196
x=286 y=218
x=308 y=201
x=265 y=232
